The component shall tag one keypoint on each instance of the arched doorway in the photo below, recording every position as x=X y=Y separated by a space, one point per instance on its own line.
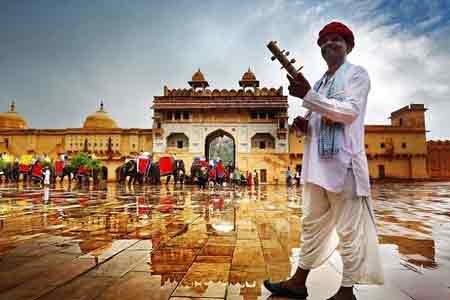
x=221 y=144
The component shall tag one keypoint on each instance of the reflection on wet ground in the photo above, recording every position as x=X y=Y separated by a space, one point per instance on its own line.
x=118 y=242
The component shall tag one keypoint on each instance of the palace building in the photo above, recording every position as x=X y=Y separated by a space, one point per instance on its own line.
x=255 y=121
x=246 y=127
x=99 y=135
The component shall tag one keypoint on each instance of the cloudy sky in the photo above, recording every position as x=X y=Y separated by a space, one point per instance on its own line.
x=59 y=58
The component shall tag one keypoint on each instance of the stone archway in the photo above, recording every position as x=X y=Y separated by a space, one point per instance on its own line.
x=220 y=141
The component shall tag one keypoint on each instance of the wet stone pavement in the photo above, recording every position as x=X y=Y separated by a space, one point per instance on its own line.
x=117 y=242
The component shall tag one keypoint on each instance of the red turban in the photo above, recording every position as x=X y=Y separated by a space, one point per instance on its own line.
x=338 y=28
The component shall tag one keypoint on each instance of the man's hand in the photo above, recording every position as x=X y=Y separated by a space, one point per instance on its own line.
x=299 y=86
x=301 y=124
x=327 y=121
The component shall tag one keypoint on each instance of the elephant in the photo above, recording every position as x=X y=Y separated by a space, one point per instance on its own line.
x=179 y=176
x=179 y=172
x=66 y=171
x=154 y=174
x=99 y=174
x=128 y=169
x=10 y=172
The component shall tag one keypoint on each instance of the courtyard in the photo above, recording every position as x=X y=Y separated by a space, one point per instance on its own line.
x=179 y=243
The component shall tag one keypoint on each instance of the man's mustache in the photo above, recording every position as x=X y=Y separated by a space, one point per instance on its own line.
x=332 y=46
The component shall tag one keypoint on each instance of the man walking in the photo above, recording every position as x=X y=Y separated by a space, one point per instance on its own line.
x=336 y=206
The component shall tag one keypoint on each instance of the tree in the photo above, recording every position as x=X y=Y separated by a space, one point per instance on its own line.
x=83 y=159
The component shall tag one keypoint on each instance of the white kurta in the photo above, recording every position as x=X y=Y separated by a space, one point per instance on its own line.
x=351 y=112
x=47 y=177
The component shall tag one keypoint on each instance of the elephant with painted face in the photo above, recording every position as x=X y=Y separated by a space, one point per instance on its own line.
x=179 y=173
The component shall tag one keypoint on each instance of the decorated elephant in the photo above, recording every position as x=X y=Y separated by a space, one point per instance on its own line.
x=61 y=170
x=179 y=172
x=151 y=172
x=9 y=172
x=170 y=167
x=127 y=170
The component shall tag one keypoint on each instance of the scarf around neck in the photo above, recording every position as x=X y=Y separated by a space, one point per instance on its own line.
x=330 y=135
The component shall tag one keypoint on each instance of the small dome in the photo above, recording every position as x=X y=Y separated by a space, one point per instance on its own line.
x=249 y=80
x=100 y=119
x=198 y=80
x=248 y=76
x=198 y=76
x=12 y=120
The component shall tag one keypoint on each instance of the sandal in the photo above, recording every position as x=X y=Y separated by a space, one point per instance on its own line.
x=276 y=290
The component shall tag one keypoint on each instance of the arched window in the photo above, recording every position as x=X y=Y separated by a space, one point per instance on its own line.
x=178 y=140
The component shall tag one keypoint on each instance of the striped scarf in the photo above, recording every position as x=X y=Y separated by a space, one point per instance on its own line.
x=331 y=134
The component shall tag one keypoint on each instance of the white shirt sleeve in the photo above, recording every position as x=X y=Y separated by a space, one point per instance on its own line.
x=354 y=98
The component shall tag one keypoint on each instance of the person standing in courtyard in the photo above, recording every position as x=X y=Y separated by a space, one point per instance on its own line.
x=249 y=178
x=47 y=175
x=236 y=177
x=220 y=172
x=297 y=177
x=288 y=176
x=255 y=178
x=337 y=210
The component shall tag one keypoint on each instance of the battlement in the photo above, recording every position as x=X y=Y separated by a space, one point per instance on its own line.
x=257 y=92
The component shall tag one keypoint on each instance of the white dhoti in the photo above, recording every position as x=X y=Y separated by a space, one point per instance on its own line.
x=345 y=220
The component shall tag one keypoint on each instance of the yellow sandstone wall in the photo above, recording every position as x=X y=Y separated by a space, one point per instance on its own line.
x=274 y=164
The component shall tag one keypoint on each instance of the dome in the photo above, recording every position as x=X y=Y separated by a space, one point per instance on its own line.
x=249 y=80
x=198 y=80
x=100 y=119
x=12 y=120
x=248 y=76
x=198 y=76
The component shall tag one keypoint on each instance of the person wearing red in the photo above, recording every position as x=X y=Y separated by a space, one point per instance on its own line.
x=220 y=172
x=336 y=209
x=249 y=178
x=212 y=175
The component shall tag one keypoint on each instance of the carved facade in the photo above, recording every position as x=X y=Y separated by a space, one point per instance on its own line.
x=186 y=121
